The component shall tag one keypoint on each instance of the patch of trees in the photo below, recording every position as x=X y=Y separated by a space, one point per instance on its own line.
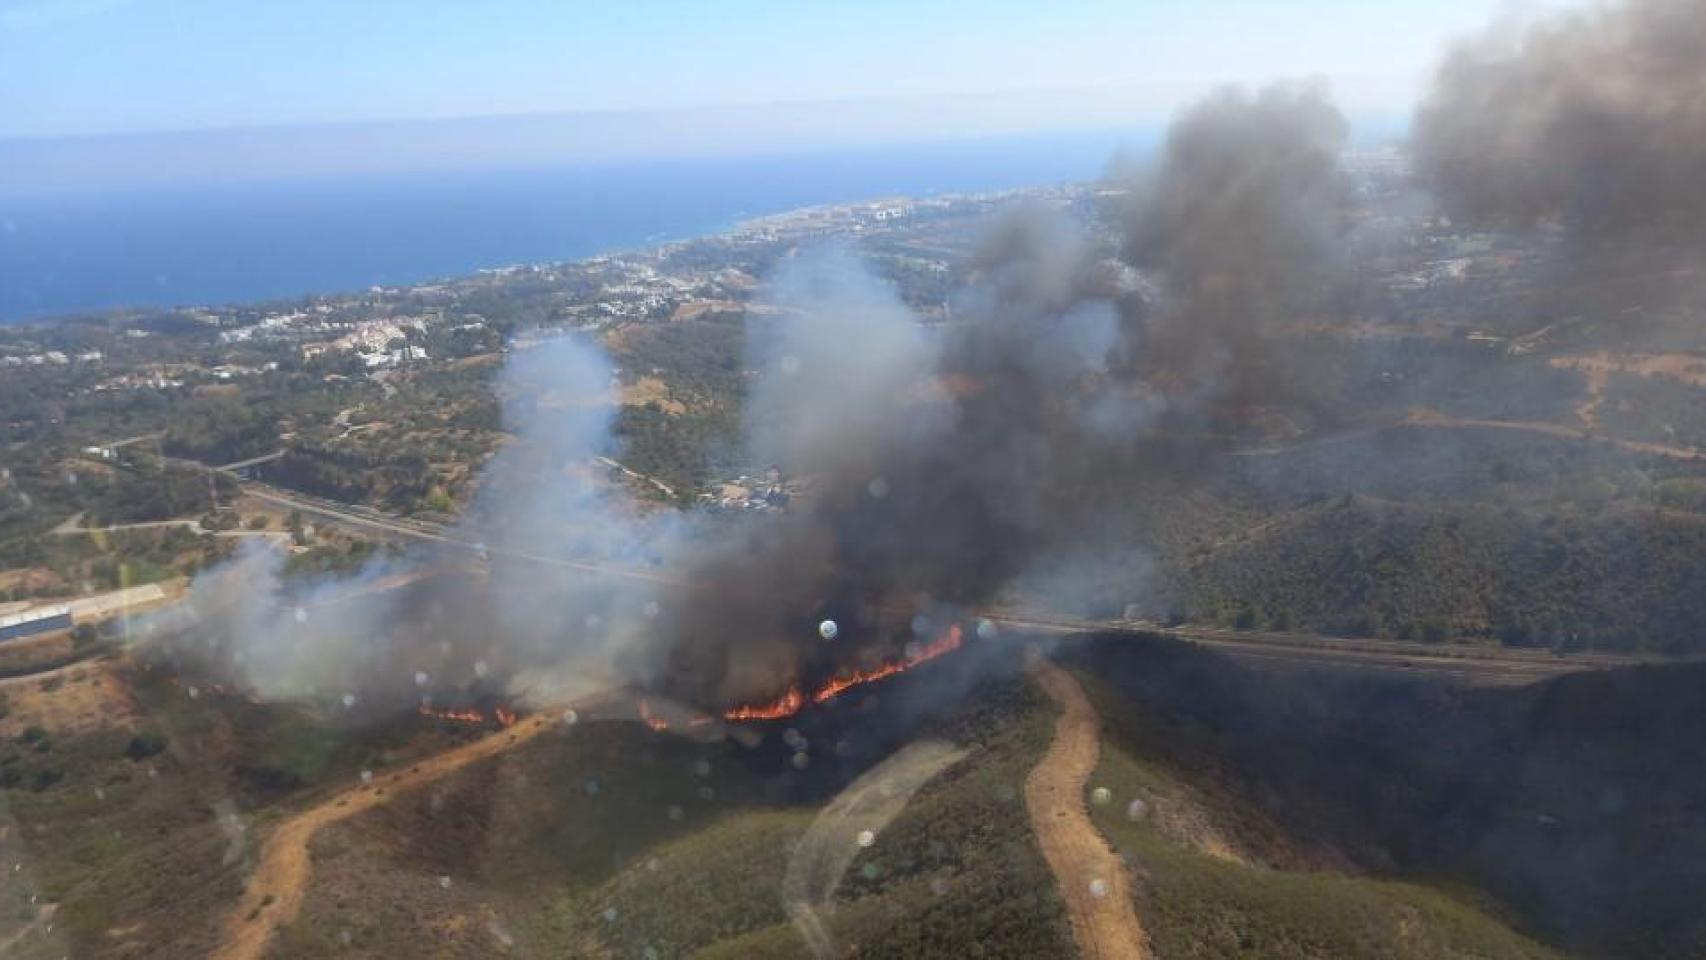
x=397 y=480
x=221 y=430
x=1654 y=409
x=701 y=358
x=1575 y=800
x=148 y=489
x=1625 y=581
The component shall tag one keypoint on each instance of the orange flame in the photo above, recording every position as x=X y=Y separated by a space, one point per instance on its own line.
x=500 y=715
x=786 y=705
x=795 y=700
x=652 y=720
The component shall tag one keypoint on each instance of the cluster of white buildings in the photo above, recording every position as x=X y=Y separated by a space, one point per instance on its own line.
x=373 y=339
x=50 y=358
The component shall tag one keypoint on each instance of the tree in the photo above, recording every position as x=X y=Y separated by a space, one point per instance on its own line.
x=298 y=533
x=144 y=745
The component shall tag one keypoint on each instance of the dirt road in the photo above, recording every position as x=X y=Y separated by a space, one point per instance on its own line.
x=275 y=890
x=1093 y=881
x=1430 y=418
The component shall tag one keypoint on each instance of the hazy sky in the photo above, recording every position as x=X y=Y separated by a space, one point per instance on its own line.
x=107 y=66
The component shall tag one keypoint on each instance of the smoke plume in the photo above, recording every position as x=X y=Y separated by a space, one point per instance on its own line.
x=1242 y=226
x=944 y=465
x=533 y=618
x=938 y=465
x=1592 y=120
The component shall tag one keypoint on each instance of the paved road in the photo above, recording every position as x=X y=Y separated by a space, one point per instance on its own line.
x=252 y=461
x=1421 y=417
x=1488 y=665
x=73 y=526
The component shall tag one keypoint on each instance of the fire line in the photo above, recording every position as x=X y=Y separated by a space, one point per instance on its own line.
x=795 y=699
x=500 y=715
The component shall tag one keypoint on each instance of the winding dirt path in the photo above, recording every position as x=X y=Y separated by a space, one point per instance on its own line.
x=275 y=890
x=1093 y=881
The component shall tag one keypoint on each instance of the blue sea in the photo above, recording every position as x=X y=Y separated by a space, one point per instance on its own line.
x=244 y=242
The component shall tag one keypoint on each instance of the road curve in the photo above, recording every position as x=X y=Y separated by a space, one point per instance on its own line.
x=276 y=888
x=1093 y=880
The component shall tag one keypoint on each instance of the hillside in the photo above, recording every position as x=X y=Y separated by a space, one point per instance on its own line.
x=1618 y=579
x=609 y=839
x=1570 y=803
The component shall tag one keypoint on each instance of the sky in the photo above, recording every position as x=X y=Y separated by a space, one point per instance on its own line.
x=649 y=77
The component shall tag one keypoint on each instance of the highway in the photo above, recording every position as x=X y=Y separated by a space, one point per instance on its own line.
x=1469 y=664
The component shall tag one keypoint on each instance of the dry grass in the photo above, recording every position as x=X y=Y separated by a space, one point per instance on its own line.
x=652 y=390
x=81 y=698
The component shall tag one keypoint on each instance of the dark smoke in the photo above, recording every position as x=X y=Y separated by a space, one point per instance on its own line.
x=947 y=465
x=1243 y=226
x=939 y=462
x=1594 y=121
x=943 y=466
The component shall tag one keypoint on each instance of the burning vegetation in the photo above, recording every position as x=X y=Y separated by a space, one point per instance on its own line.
x=795 y=699
x=498 y=715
